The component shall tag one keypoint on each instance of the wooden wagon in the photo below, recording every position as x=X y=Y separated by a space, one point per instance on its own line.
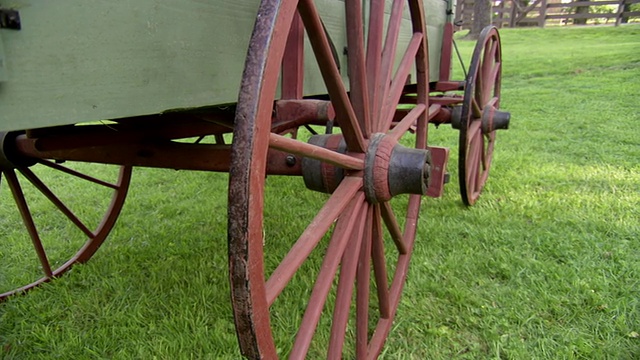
x=338 y=92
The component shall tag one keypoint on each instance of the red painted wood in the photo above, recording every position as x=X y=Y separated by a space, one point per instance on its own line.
x=94 y=237
x=376 y=89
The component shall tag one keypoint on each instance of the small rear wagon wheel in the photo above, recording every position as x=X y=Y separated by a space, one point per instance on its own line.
x=357 y=246
x=61 y=214
x=481 y=99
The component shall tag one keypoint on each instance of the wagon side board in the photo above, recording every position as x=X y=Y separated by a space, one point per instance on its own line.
x=82 y=60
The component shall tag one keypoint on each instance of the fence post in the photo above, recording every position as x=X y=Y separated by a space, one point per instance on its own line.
x=619 y=12
x=459 y=15
x=501 y=14
x=514 y=14
x=543 y=13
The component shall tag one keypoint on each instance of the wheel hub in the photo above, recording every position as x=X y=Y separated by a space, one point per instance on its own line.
x=390 y=168
x=320 y=176
x=492 y=119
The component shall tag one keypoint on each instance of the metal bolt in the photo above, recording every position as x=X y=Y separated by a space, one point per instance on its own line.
x=290 y=160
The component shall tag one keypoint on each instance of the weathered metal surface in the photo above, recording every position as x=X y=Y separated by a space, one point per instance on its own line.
x=10 y=19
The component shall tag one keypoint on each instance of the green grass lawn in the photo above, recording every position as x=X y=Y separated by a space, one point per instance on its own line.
x=545 y=266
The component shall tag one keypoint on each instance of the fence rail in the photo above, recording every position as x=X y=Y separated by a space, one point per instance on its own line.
x=518 y=13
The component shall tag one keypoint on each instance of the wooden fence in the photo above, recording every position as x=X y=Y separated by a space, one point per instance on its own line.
x=517 y=13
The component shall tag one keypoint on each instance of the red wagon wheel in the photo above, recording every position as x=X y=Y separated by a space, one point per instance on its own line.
x=64 y=213
x=481 y=101
x=366 y=228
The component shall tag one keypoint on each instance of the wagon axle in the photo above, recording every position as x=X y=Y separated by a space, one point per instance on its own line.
x=10 y=158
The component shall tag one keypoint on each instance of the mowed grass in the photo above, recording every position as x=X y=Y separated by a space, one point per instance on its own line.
x=545 y=266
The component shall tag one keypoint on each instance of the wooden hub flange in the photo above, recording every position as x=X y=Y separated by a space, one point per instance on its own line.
x=392 y=169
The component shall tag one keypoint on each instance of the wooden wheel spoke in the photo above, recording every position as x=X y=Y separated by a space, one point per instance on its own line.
x=345 y=286
x=484 y=152
x=339 y=240
x=25 y=213
x=474 y=158
x=392 y=225
x=407 y=122
x=478 y=152
x=358 y=88
x=374 y=57
x=297 y=147
x=490 y=68
x=363 y=281
x=492 y=77
x=476 y=109
x=345 y=113
x=488 y=154
x=55 y=200
x=388 y=60
x=91 y=239
x=399 y=80
x=490 y=52
x=479 y=161
x=391 y=41
x=493 y=102
x=78 y=174
x=344 y=199
x=487 y=84
x=380 y=265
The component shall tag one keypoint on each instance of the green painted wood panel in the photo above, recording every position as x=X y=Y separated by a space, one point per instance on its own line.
x=84 y=60
x=3 y=67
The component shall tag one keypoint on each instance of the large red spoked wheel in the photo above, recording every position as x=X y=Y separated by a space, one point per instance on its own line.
x=64 y=213
x=481 y=101
x=360 y=240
